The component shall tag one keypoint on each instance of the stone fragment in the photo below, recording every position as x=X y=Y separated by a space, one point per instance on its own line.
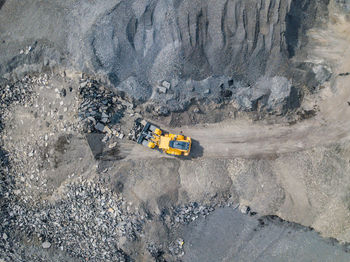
x=63 y=92
x=244 y=209
x=46 y=244
x=100 y=127
x=83 y=84
x=113 y=145
x=166 y=84
x=162 y=89
x=107 y=130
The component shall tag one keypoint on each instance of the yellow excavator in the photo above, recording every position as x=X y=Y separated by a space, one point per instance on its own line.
x=153 y=137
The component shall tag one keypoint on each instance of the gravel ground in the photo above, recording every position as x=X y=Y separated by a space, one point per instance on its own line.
x=229 y=235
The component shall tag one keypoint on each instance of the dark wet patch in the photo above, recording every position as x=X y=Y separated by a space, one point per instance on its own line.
x=61 y=144
x=100 y=150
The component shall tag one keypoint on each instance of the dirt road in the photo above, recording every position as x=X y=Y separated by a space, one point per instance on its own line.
x=243 y=138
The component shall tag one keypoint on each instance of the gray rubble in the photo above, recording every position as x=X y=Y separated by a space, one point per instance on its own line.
x=185 y=214
x=87 y=223
x=99 y=107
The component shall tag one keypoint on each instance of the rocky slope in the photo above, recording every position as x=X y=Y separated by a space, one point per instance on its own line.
x=206 y=50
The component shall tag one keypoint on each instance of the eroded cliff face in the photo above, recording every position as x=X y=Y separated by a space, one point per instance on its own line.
x=202 y=47
x=209 y=51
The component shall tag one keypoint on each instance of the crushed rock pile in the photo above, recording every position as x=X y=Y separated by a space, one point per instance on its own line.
x=84 y=221
x=99 y=106
x=185 y=214
x=88 y=222
x=101 y=109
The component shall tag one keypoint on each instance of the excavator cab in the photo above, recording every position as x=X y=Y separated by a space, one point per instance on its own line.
x=179 y=145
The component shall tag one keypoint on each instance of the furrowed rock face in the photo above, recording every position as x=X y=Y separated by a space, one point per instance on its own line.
x=197 y=45
x=207 y=37
x=207 y=50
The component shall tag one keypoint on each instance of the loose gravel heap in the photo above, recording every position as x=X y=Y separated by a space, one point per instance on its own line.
x=87 y=223
x=185 y=214
x=11 y=94
x=100 y=106
x=79 y=220
x=35 y=120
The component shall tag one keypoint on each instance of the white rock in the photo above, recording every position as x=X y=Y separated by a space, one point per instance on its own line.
x=162 y=89
x=46 y=244
x=113 y=145
x=166 y=84
x=83 y=84
x=244 y=209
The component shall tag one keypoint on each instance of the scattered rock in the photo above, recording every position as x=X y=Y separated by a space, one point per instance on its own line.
x=100 y=127
x=63 y=92
x=162 y=89
x=322 y=73
x=100 y=104
x=196 y=110
x=113 y=145
x=187 y=213
x=28 y=49
x=244 y=209
x=88 y=222
x=162 y=110
x=83 y=84
x=176 y=248
x=166 y=84
x=106 y=129
x=226 y=93
x=46 y=244
x=140 y=91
